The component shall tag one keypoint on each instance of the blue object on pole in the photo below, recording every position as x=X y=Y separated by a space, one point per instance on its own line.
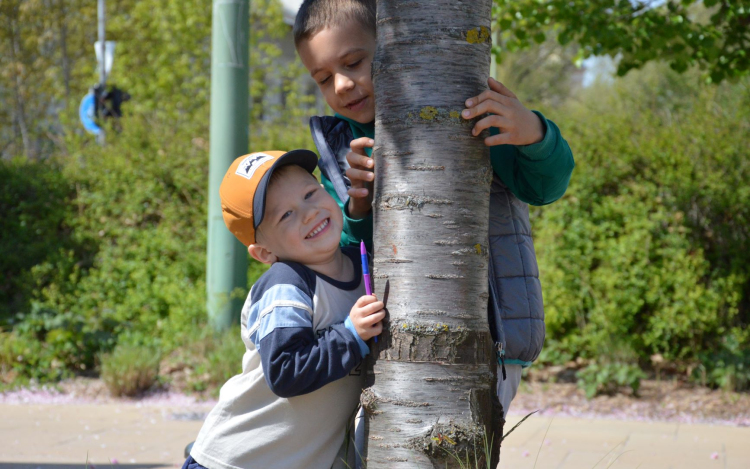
x=86 y=111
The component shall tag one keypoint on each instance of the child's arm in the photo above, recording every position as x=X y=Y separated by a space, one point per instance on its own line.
x=296 y=362
x=295 y=359
x=355 y=228
x=527 y=151
x=361 y=175
x=358 y=209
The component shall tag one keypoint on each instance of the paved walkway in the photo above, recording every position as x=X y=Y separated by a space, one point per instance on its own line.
x=144 y=437
x=119 y=435
x=572 y=443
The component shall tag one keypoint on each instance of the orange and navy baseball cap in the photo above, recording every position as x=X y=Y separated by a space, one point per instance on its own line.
x=243 y=190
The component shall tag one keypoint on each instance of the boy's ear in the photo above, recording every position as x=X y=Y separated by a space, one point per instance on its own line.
x=261 y=254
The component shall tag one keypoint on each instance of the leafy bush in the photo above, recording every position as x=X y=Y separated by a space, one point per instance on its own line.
x=223 y=359
x=23 y=359
x=130 y=370
x=650 y=245
x=102 y=246
x=34 y=208
x=608 y=378
x=728 y=368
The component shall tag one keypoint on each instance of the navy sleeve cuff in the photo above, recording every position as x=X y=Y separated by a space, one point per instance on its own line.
x=363 y=348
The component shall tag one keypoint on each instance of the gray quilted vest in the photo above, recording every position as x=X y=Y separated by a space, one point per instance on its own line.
x=516 y=311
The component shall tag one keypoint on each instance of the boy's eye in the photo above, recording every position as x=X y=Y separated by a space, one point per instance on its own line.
x=355 y=64
x=286 y=215
x=310 y=194
x=324 y=80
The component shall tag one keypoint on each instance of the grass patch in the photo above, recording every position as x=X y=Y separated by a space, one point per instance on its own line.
x=215 y=357
x=130 y=370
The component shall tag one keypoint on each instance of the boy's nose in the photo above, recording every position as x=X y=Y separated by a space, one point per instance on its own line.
x=310 y=214
x=343 y=84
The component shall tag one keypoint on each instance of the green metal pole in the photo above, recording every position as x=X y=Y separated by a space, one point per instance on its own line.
x=226 y=268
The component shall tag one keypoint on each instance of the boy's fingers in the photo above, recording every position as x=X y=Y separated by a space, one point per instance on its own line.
x=488 y=106
x=500 y=139
x=365 y=300
x=377 y=316
x=360 y=175
x=363 y=161
x=488 y=95
x=490 y=121
x=500 y=88
x=373 y=308
x=358 y=193
x=365 y=311
x=358 y=145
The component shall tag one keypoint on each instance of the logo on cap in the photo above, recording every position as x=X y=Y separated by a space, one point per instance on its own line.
x=250 y=164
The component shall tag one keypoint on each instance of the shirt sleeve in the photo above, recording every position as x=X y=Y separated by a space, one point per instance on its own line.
x=537 y=174
x=354 y=230
x=295 y=359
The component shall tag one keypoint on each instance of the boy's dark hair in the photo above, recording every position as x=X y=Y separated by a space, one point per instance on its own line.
x=278 y=173
x=314 y=15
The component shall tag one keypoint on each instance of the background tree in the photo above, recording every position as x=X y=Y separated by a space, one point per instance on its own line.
x=42 y=44
x=434 y=389
x=544 y=75
x=712 y=34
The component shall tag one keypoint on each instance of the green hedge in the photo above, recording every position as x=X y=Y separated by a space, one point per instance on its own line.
x=648 y=252
x=107 y=246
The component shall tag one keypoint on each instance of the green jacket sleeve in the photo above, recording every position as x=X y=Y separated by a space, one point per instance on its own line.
x=355 y=230
x=538 y=174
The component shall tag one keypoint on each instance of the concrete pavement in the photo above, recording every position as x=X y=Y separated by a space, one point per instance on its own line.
x=121 y=435
x=132 y=436
x=572 y=443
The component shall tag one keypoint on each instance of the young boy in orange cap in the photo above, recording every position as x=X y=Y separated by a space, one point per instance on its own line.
x=304 y=325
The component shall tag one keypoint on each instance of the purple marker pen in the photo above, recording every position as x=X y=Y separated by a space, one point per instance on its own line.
x=366 y=271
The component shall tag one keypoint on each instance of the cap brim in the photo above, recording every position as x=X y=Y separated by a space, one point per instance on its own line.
x=307 y=159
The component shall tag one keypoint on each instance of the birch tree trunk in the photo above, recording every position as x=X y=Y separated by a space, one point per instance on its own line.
x=433 y=378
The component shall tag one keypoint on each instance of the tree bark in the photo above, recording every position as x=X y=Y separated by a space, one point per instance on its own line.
x=433 y=378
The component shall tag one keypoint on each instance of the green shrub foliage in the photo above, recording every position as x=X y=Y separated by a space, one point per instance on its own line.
x=130 y=370
x=609 y=378
x=222 y=354
x=649 y=248
x=101 y=246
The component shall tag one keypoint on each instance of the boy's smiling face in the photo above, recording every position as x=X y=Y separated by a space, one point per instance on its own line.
x=339 y=59
x=302 y=223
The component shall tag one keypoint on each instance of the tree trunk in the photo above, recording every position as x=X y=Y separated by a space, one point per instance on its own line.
x=20 y=113
x=62 y=22
x=433 y=378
